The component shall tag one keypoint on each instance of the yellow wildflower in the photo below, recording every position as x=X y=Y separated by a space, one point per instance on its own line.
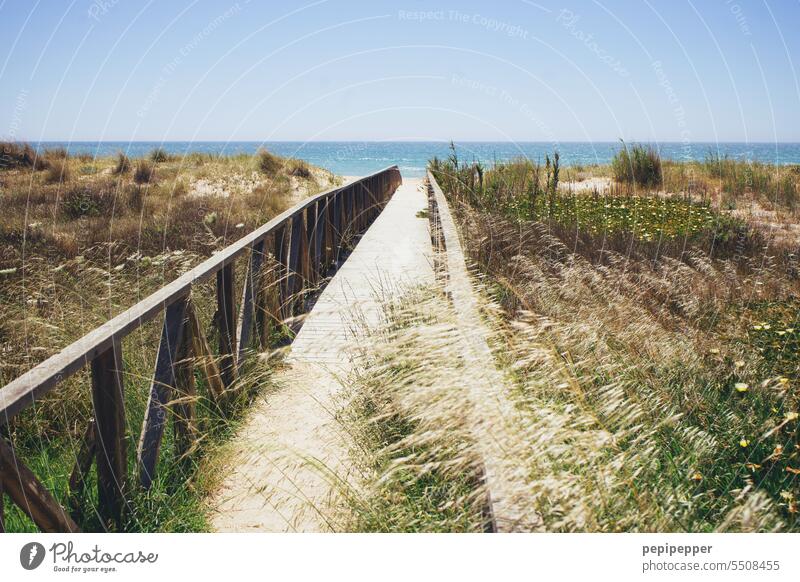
x=741 y=387
x=744 y=443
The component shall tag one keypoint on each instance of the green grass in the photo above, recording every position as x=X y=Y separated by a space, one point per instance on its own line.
x=638 y=165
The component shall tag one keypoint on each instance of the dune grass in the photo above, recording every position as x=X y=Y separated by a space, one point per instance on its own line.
x=404 y=407
x=80 y=249
x=659 y=379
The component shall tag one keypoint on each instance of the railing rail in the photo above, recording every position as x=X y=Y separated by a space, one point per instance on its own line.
x=306 y=240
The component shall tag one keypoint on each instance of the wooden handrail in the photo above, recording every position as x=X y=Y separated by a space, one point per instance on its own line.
x=24 y=390
x=307 y=239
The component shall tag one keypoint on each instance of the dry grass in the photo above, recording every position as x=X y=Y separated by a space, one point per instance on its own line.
x=659 y=381
x=405 y=407
x=88 y=249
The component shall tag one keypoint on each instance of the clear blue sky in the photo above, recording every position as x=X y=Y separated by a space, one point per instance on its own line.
x=704 y=70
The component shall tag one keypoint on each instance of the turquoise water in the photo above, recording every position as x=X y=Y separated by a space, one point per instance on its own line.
x=357 y=158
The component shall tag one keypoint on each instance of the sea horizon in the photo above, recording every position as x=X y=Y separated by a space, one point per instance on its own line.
x=358 y=158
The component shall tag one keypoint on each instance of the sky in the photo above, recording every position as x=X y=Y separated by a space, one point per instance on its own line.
x=699 y=70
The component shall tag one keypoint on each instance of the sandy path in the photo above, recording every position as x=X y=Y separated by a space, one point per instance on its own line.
x=284 y=459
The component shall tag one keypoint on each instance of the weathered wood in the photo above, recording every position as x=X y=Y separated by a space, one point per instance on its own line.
x=312 y=268
x=23 y=391
x=328 y=243
x=319 y=236
x=304 y=269
x=2 y=508
x=348 y=217
x=183 y=405
x=108 y=396
x=267 y=306
x=338 y=235
x=226 y=324
x=25 y=490
x=282 y=270
x=160 y=392
x=204 y=357
x=83 y=464
x=293 y=282
x=248 y=305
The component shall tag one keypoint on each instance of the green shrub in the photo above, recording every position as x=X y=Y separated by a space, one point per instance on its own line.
x=637 y=165
x=84 y=200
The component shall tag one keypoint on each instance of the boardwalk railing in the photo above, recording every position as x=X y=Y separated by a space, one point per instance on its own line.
x=286 y=258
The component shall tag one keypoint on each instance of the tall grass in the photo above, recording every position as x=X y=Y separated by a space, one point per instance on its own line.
x=87 y=250
x=637 y=165
x=658 y=380
x=405 y=408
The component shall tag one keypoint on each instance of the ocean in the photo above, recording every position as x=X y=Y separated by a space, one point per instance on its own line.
x=358 y=158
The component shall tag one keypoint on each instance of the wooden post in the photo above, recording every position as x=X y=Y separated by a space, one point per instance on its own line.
x=295 y=250
x=312 y=274
x=328 y=244
x=247 y=314
x=108 y=396
x=319 y=236
x=184 y=402
x=226 y=322
x=305 y=263
x=30 y=495
x=83 y=463
x=266 y=303
x=349 y=215
x=155 y=417
x=338 y=235
x=203 y=356
x=281 y=271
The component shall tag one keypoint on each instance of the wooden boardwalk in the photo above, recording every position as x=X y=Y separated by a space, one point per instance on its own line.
x=291 y=446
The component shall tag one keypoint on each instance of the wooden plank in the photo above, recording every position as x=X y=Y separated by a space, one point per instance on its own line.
x=184 y=402
x=203 y=356
x=226 y=324
x=83 y=464
x=27 y=492
x=24 y=390
x=108 y=396
x=248 y=305
x=160 y=392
